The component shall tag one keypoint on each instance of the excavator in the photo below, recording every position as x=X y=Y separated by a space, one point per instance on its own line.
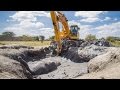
x=65 y=37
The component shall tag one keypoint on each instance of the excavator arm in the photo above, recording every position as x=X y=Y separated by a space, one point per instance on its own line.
x=62 y=37
x=63 y=20
x=58 y=17
x=56 y=30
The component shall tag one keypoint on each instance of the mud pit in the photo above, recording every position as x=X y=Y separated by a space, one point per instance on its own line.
x=40 y=64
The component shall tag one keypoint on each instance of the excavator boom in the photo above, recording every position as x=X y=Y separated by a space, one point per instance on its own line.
x=66 y=34
x=56 y=30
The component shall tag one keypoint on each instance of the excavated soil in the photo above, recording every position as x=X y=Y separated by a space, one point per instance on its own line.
x=105 y=66
x=80 y=55
x=67 y=70
x=11 y=69
x=37 y=63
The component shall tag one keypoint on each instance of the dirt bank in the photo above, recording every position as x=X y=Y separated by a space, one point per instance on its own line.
x=105 y=66
x=11 y=69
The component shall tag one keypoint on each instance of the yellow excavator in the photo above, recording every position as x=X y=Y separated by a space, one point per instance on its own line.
x=65 y=37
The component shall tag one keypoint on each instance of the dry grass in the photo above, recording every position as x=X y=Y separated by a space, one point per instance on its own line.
x=28 y=43
x=116 y=43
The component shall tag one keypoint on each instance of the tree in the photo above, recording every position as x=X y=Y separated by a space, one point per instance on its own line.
x=41 y=38
x=90 y=37
x=52 y=37
x=36 y=38
x=10 y=34
x=25 y=38
x=7 y=35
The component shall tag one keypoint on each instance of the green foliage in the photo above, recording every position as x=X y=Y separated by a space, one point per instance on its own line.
x=7 y=36
x=25 y=38
x=51 y=38
x=10 y=36
x=41 y=38
x=90 y=37
x=36 y=38
x=112 y=39
x=115 y=41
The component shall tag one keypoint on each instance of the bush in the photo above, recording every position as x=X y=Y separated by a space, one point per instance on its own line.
x=51 y=38
x=110 y=39
x=90 y=37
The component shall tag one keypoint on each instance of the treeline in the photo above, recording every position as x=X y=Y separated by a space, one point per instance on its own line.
x=109 y=38
x=10 y=36
x=113 y=39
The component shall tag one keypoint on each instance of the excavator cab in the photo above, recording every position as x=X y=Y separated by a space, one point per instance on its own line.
x=74 y=34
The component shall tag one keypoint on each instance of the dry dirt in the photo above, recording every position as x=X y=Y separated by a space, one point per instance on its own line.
x=11 y=69
x=23 y=62
x=67 y=70
x=105 y=66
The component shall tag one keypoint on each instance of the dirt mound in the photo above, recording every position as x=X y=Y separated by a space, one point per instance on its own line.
x=80 y=54
x=26 y=54
x=44 y=66
x=33 y=55
x=110 y=72
x=11 y=69
x=104 y=66
x=101 y=42
x=34 y=60
x=100 y=62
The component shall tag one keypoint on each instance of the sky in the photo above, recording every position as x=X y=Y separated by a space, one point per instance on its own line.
x=99 y=23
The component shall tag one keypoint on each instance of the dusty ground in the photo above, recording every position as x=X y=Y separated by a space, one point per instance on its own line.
x=22 y=62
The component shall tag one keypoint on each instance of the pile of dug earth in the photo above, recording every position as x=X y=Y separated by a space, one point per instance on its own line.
x=98 y=60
